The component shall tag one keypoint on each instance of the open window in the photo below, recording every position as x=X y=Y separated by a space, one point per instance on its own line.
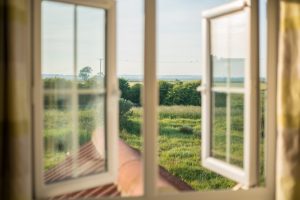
x=75 y=96
x=230 y=92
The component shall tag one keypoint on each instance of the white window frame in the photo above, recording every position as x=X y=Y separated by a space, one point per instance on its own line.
x=248 y=175
x=42 y=190
x=150 y=128
x=150 y=115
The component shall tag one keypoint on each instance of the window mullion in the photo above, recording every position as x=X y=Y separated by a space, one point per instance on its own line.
x=74 y=104
x=150 y=128
x=228 y=127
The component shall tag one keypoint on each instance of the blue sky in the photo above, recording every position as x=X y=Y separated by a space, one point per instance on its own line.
x=178 y=33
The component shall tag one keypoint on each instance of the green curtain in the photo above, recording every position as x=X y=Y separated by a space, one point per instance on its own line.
x=288 y=107
x=15 y=100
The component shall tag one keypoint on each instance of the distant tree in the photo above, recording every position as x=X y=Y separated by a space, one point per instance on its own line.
x=134 y=94
x=164 y=88
x=184 y=93
x=85 y=73
x=51 y=83
x=124 y=87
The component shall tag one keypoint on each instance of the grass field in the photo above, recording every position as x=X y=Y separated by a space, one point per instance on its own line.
x=179 y=138
x=179 y=151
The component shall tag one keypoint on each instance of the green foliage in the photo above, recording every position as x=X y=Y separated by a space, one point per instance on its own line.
x=124 y=112
x=57 y=83
x=184 y=93
x=92 y=82
x=124 y=87
x=85 y=73
x=164 y=88
x=179 y=152
x=134 y=94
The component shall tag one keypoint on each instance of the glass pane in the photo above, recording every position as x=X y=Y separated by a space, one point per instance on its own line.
x=218 y=149
x=57 y=132
x=91 y=47
x=237 y=129
x=228 y=128
x=57 y=44
x=263 y=87
x=74 y=119
x=228 y=49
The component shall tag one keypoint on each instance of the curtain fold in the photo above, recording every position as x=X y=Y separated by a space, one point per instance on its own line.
x=288 y=102
x=15 y=109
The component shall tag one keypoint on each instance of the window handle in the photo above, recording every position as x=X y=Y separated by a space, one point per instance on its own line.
x=202 y=88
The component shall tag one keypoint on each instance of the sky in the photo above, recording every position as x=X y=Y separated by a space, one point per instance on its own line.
x=178 y=37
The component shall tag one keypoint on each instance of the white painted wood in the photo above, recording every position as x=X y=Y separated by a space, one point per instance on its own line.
x=99 y=91
x=249 y=177
x=42 y=190
x=271 y=131
x=251 y=137
x=206 y=93
x=265 y=193
x=150 y=100
x=74 y=103
x=228 y=90
x=106 y=4
x=224 y=9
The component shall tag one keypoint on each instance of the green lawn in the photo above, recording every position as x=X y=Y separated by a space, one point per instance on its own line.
x=179 y=152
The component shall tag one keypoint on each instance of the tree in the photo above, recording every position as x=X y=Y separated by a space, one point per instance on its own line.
x=134 y=94
x=184 y=93
x=164 y=88
x=85 y=73
x=124 y=87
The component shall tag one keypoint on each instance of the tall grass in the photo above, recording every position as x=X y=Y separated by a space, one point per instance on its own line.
x=179 y=153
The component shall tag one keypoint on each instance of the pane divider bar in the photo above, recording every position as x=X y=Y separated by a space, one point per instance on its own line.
x=228 y=90
x=150 y=100
x=70 y=91
x=228 y=127
x=74 y=100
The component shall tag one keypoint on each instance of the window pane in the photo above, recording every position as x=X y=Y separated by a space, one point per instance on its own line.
x=74 y=100
x=219 y=128
x=91 y=47
x=57 y=130
x=236 y=129
x=57 y=43
x=228 y=49
x=228 y=128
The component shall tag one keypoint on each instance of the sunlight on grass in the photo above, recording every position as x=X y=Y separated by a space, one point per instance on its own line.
x=179 y=152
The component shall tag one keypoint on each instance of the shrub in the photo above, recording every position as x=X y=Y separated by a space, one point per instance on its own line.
x=124 y=87
x=184 y=93
x=186 y=130
x=134 y=94
x=164 y=88
x=124 y=111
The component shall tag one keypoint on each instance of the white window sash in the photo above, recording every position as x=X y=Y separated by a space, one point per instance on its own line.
x=111 y=92
x=150 y=152
x=266 y=192
x=248 y=175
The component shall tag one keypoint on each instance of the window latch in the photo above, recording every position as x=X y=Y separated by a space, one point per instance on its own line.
x=202 y=88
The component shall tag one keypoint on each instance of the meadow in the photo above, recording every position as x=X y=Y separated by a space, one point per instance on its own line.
x=179 y=145
x=179 y=131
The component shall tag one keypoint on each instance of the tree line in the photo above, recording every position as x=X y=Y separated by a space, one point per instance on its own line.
x=170 y=92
